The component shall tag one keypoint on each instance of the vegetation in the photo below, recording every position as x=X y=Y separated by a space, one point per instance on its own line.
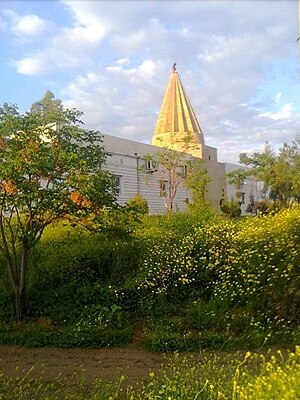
x=280 y=173
x=192 y=280
x=49 y=170
x=231 y=208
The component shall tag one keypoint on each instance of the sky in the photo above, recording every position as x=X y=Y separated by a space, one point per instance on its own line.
x=238 y=60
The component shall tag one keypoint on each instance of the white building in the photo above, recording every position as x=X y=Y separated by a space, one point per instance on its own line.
x=176 y=117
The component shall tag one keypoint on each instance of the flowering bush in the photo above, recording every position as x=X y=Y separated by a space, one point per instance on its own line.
x=252 y=262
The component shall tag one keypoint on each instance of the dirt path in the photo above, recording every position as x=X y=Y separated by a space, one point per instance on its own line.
x=107 y=364
x=73 y=364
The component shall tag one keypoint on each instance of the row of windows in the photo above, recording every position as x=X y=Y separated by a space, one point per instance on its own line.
x=152 y=166
x=118 y=186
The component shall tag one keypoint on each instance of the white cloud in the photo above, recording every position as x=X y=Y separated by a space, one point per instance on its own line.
x=122 y=61
x=68 y=47
x=284 y=114
x=147 y=68
x=29 y=25
x=129 y=42
x=30 y=66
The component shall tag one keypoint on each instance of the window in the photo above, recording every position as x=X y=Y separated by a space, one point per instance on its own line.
x=242 y=198
x=184 y=170
x=117 y=179
x=151 y=165
x=163 y=188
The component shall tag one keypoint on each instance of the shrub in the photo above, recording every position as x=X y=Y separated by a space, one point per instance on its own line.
x=231 y=208
x=139 y=204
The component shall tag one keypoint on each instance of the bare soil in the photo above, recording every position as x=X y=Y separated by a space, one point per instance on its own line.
x=107 y=364
x=74 y=364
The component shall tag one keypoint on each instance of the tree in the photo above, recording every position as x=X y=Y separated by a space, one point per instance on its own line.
x=172 y=168
x=48 y=109
x=280 y=173
x=196 y=180
x=48 y=172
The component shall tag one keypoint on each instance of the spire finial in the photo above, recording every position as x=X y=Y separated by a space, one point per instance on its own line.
x=174 y=67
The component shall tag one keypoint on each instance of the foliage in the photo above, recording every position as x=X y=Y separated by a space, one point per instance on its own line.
x=139 y=204
x=97 y=326
x=73 y=268
x=231 y=208
x=49 y=170
x=280 y=173
x=208 y=281
x=196 y=180
x=220 y=268
x=276 y=381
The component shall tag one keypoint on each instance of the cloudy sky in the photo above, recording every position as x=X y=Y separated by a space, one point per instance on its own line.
x=238 y=61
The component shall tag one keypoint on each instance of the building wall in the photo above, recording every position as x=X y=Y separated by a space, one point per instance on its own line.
x=126 y=156
x=125 y=159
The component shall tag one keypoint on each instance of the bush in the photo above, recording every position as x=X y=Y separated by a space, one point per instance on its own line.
x=139 y=204
x=78 y=335
x=73 y=269
x=231 y=208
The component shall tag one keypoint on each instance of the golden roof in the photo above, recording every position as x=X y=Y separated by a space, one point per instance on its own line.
x=177 y=118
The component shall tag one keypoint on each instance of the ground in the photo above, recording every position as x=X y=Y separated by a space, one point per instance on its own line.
x=106 y=363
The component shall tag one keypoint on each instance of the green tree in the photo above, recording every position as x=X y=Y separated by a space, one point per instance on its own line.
x=171 y=168
x=48 y=109
x=48 y=172
x=196 y=180
x=280 y=173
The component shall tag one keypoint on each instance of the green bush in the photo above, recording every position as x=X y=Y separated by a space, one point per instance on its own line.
x=73 y=269
x=78 y=335
x=231 y=208
x=139 y=204
x=94 y=337
x=206 y=315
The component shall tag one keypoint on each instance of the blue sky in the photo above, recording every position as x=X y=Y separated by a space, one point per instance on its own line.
x=238 y=61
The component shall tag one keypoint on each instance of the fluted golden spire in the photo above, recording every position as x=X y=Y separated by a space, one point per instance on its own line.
x=177 y=118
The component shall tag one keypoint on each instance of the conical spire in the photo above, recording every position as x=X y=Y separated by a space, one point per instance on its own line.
x=177 y=118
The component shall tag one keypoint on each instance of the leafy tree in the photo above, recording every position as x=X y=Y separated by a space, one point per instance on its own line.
x=8 y=109
x=171 y=169
x=48 y=109
x=48 y=172
x=280 y=173
x=196 y=180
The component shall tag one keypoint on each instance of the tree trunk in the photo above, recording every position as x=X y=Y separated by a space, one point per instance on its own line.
x=20 y=285
x=19 y=305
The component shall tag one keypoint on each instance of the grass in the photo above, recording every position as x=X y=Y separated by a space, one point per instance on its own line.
x=252 y=377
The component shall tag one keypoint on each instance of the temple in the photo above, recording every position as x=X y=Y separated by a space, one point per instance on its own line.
x=177 y=120
x=177 y=128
